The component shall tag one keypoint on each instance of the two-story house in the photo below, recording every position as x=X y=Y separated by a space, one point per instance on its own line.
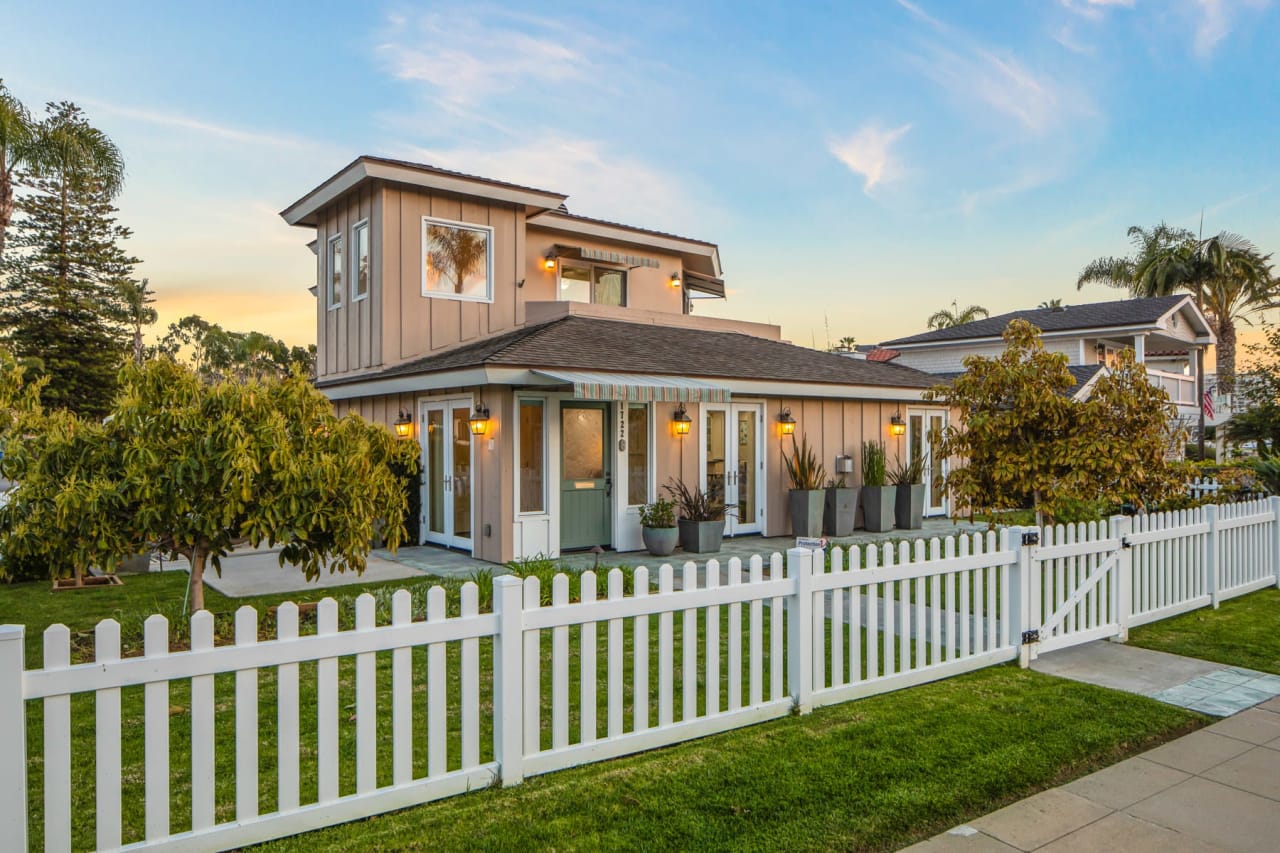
x=551 y=370
x=1166 y=333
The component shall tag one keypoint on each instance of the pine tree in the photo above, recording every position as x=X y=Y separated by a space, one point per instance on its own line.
x=62 y=308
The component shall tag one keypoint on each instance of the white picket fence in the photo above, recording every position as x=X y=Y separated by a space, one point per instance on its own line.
x=709 y=649
x=1203 y=487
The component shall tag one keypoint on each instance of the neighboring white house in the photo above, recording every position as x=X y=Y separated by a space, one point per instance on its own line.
x=1165 y=334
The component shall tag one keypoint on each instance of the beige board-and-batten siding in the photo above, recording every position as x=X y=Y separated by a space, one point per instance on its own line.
x=349 y=337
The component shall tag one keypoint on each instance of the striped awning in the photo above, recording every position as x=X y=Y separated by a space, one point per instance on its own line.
x=637 y=387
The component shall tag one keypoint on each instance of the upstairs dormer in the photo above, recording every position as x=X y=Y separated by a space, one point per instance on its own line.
x=413 y=260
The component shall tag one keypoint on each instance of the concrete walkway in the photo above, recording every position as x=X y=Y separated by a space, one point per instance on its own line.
x=254 y=572
x=1209 y=688
x=1214 y=789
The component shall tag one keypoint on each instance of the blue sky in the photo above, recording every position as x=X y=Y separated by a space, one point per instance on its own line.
x=860 y=164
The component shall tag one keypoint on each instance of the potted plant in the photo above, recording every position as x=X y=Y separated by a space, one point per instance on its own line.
x=658 y=527
x=877 y=498
x=806 y=499
x=908 y=478
x=701 y=517
x=840 y=508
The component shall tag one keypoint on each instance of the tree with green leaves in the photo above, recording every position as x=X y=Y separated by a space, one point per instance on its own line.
x=17 y=132
x=215 y=353
x=1050 y=304
x=137 y=299
x=955 y=316
x=1021 y=438
x=61 y=305
x=193 y=468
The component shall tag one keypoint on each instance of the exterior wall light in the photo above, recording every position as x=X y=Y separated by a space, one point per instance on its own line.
x=549 y=262
x=404 y=425
x=680 y=421
x=897 y=426
x=786 y=423
x=479 y=420
x=675 y=279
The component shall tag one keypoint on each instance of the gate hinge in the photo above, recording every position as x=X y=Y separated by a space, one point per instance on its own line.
x=1029 y=637
x=1032 y=538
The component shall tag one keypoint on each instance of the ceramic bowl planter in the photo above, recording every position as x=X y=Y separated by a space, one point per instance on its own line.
x=840 y=509
x=805 y=502
x=658 y=527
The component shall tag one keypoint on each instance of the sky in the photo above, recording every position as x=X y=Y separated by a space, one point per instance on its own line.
x=860 y=164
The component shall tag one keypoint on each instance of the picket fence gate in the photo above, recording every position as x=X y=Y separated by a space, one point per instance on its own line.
x=543 y=682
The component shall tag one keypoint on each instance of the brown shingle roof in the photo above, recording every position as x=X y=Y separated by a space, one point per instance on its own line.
x=587 y=343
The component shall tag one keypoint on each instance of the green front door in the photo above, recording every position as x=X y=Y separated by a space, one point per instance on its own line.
x=586 y=476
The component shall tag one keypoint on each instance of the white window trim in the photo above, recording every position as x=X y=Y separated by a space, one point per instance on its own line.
x=355 y=260
x=328 y=283
x=519 y=437
x=422 y=259
x=652 y=450
x=591 y=282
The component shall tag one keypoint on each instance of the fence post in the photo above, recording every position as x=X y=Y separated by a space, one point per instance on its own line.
x=1020 y=594
x=13 y=722
x=1211 y=554
x=1122 y=526
x=800 y=628
x=1274 y=500
x=508 y=691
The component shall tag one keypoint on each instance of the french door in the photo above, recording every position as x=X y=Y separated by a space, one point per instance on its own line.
x=732 y=462
x=924 y=438
x=445 y=433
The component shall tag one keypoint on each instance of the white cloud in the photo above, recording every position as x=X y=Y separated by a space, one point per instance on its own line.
x=1094 y=9
x=199 y=126
x=869 y=153
x=1215 y=20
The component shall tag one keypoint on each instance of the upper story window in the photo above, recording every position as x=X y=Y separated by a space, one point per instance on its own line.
x=335 y=271
x=600 y=285
x=457 y=260
x=360 y=260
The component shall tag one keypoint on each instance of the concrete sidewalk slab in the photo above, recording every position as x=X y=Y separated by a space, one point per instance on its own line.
x=1214 y=789
x=260 y=573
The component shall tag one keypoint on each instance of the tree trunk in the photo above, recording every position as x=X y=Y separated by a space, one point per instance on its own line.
x=6 y=203
x=1226 y=355
x=197 y=558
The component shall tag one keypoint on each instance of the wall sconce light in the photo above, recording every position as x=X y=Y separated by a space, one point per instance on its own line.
x=680 y=421
x=404 y=425
x=786 y=423
x=549 y=262
x=479 y=420
x=675 y=279
x=897 y=426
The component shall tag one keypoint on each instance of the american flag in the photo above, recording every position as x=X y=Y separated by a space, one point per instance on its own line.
x=1207 y=403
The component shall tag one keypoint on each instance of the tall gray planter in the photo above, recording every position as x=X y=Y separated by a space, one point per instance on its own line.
x=908 y=506
x=806 y=512
x=839 y=511
x=877 y=508
x=701 y=537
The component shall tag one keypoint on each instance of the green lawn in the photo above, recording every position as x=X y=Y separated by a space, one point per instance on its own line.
x=868 y=774
x=1244 y=632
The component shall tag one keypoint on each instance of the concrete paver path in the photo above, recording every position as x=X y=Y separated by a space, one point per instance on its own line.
x=1214 y=789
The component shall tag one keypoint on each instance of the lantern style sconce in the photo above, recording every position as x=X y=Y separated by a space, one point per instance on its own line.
x=549 y=262
x=680 y=421
x=674 y=281
x=897 y=426
x=404 y=425
x=479 y=420
x=786 y=423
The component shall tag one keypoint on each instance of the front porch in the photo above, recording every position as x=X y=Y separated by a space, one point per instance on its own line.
x=443 y=562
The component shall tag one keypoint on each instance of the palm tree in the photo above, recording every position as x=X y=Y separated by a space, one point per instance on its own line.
x=137 y=301
x=457 y=252
x=1050 y=304
x=945 y=319
x=16 y=134
x=1136 y=273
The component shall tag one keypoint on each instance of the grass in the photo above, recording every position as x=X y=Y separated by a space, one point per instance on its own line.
x=871 y=774
x=1243 y=632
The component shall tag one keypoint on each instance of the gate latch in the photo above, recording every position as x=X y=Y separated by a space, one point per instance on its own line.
x=1029 y=637
x=1032 y=538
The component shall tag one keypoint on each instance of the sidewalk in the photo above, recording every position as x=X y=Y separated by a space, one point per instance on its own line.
x=1214 y=789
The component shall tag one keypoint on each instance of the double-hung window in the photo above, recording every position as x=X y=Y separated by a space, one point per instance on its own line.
x=599 y=285
x=360 y=260
x=335 y=270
